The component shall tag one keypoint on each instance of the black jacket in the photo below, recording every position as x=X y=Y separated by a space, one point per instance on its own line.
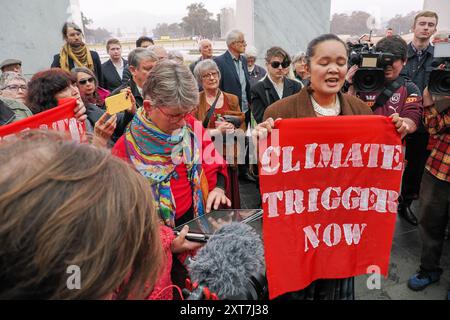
x=7 y=116
x=134 y=90
x=419 y=72
x=263 y=94
x=95 y=58
x=94 y=113
x=111 y=79
x=230 y=82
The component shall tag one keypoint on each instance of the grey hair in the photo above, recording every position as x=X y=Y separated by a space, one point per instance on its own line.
x=299 y=57
x=171 y=84
x=176 y=56
x=137 y=55
x=233 y=36
x=200 y=44
x=251 y=52
x=155 y=48
x=9 y=76
x=203 y=66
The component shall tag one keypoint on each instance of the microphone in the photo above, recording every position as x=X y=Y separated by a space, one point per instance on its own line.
x=231 y=265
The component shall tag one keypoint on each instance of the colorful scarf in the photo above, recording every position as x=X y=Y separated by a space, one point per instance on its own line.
x=156 y=155
x=81 y=57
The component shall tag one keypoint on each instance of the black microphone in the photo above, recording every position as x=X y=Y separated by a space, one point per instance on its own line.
x=231 y=265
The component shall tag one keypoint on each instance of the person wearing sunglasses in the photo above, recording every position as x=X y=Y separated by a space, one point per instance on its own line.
x=87 y=85
x=276 y=85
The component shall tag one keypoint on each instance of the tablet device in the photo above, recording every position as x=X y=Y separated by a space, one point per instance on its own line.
x=202 y=228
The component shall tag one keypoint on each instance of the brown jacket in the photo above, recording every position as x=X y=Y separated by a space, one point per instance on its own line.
x=233 y=103
x=300 y=106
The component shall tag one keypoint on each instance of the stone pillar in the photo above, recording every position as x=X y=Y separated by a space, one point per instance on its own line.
x=31 y=30
x=442 y=8
x=290 y=24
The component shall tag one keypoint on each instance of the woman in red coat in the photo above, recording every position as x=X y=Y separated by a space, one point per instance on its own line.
x=171 y=149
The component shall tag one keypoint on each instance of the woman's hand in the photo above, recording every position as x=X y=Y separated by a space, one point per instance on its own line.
x=104 y=129
x=133 y=100
x=263 y=129
x=80 y=111
x=216 y=198
x=401 y=125
x=225 y=127
x=181 y=245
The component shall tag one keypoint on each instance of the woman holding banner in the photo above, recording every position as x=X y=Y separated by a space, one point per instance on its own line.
x=327 y=58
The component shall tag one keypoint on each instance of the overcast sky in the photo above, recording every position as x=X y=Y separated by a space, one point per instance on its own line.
x=133 y=15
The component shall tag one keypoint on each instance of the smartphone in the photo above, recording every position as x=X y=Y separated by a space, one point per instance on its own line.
x=118 y=103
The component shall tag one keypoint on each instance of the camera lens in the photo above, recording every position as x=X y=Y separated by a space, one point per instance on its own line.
x=440 y=82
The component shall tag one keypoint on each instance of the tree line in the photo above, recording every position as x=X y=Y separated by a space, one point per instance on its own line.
x=357 y=23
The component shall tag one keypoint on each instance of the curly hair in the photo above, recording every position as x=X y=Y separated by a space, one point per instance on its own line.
x=44 y=86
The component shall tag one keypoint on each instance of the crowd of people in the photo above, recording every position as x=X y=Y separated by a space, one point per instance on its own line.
x=110 y=206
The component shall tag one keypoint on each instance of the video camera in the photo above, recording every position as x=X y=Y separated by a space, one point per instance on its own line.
x=370 y=75
x=440 y=78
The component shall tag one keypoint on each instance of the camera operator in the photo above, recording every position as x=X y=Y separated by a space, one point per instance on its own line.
x=399 y=95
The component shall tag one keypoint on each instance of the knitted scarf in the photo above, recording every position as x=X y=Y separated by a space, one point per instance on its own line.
x=156 y=155
x=81 y=57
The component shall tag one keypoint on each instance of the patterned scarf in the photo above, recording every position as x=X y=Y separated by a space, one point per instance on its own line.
x=156 y=155
x=81 y=57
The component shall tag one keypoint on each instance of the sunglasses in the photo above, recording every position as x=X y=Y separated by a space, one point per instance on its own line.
x=283 y=64
x=83 y=82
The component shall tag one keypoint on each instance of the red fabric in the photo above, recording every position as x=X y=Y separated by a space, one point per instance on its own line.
x=310 y=230
x=218 y=112
x=161 y=291
x=61 y=118
x=212 y=163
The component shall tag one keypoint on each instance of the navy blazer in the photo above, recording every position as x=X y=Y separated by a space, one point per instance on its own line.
x=111 y=79
x=95 y=58
x=230 y=82
x=264 y=95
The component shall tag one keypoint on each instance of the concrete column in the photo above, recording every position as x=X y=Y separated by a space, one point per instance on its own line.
x=290 y=24
x=31 y=30
x=442 y=8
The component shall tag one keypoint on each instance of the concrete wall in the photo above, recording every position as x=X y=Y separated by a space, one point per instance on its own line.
x=442 y=8
x=290 y=24
x=31 y=31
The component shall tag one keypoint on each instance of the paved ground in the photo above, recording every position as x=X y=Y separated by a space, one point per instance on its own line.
x=405 y=259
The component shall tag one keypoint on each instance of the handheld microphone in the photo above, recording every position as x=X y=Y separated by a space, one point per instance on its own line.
x=231 y=264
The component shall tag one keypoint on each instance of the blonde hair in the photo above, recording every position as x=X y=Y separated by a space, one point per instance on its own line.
x=64 y=204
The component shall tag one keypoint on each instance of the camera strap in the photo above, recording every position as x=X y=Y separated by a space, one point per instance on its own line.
x=211 y=110
x=386 y=94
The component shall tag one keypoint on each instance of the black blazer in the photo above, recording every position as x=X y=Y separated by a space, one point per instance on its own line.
x=95 y=58
x=264 y=90
x=134 y=90
x=111 y=79
x=229 y=81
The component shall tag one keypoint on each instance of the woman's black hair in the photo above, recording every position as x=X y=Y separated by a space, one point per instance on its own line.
x=311 y=51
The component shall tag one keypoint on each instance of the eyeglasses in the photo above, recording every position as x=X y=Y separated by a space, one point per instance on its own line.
x=174 y=118
x=16 y=88
x=208 y=75
x=85 y=81
x=242 y=42
x=277 y=64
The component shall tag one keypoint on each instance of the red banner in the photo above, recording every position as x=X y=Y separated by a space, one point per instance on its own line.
x=330 y=190
x=61 y=118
